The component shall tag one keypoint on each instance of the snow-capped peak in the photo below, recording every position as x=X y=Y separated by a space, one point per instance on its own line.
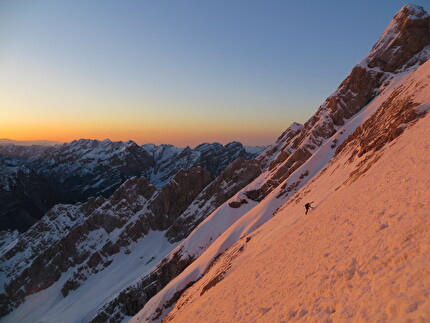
x=406 y=35
x=412 y=11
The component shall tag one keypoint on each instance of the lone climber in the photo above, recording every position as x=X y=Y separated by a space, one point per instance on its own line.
x=308 y=206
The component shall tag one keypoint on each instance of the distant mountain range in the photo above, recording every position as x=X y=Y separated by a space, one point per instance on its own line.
x=35 y=178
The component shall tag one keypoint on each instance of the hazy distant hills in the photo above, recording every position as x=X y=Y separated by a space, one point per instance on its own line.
x=5 y=141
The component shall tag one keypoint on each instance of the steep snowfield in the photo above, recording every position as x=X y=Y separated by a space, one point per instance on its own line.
x=412 y=85
x=361 y=255
x=81 y=305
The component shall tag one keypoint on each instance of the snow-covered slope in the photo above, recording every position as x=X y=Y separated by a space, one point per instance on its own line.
x=81 y=305
x=318 y=267
x=370 y=108
x=360 y=255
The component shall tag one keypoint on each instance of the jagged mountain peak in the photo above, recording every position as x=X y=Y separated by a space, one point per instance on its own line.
x=206 y=146
x=93 y=143
x=163 y=152
x=81 y=142
x=411 y=11
x=406 y=35
x=271 y=152
x=217 y=145
x=233 y=144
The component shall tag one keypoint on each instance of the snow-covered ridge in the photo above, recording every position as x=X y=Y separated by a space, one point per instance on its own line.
x=303 y=158
x=251 y=216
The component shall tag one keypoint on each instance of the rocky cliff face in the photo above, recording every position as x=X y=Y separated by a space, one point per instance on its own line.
x=239 y=174
x=25 y=196
x=404 y=45
x=213 y=157
x=404 y=38
x=402 y=108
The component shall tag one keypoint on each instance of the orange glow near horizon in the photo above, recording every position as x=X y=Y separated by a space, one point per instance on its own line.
x=179 y=134
x=33 y=115
x=141 y=120
x=52 y=104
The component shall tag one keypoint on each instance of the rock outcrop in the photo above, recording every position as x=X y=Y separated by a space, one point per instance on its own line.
x=406 y=36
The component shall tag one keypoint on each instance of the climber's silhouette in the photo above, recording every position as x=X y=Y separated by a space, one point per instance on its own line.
x=308 y=206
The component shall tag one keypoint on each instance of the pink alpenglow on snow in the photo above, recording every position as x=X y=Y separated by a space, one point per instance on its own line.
x=361 y=255
x=186 y=240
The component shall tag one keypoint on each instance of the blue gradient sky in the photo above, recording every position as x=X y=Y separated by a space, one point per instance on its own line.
x=180 y=72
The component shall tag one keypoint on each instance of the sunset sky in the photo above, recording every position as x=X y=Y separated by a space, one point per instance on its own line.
x=179 y=72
